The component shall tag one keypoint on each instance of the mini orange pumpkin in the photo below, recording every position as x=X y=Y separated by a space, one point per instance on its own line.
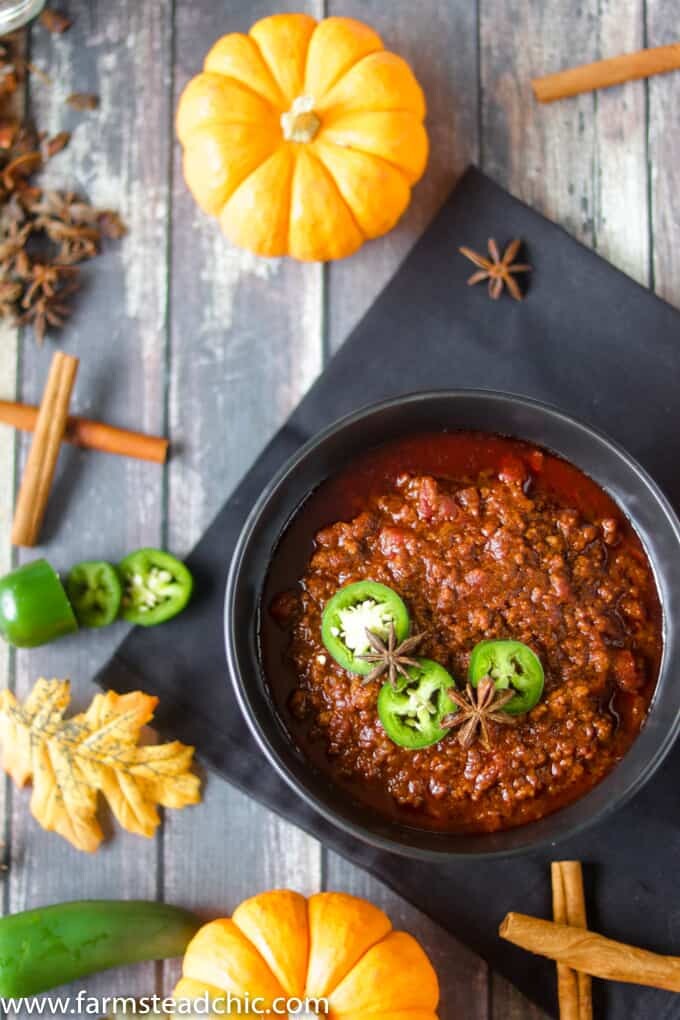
x=279 y=946
x=303 y=137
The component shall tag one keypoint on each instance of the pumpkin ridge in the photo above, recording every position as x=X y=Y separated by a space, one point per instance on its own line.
x=231 y=80
x=366 y=152
x=281 y=104
x=354 y=147
x=313 y=154
x=272 y=74
x=336 y=158
x=287 y=210
x=323 y=142
x=343 y=71
x=247 y=88
x=207 y=131
x=350 y=108
x=273 y=71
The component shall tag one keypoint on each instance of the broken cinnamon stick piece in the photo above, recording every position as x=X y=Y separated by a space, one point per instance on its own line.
x=592 y=953
x=42 y=456
x=92 y=435
x=605 y=73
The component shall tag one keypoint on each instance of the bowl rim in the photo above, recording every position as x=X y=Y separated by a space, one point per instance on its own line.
x=344 y=824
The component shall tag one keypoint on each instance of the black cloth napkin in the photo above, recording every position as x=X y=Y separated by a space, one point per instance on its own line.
x=587 y=339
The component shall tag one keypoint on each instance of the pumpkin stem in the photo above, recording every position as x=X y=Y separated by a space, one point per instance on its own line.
x=300 y=123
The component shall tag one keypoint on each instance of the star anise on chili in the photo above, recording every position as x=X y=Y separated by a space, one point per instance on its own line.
x=477 y=707
x=499 y=269
x=390 y=657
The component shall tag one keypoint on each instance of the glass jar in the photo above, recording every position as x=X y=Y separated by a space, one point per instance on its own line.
x=15 y=13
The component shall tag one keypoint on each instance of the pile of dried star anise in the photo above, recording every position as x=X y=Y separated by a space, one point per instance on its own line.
x=43 y=234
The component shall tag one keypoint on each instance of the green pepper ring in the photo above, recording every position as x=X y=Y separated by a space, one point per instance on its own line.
x=491 y=658
x=95 y=592
x=350 y=595
x=146 y=603
x=429 y=678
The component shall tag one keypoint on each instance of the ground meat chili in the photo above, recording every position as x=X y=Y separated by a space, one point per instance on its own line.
x=484 y=538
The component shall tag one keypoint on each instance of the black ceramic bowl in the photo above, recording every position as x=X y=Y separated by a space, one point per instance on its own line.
x=597 y=456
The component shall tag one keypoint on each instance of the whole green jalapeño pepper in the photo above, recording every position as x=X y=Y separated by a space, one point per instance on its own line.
x=34 y=607
x=95 y=592
x=43 y=948
x=156 y=587
x=354 y=610
x=510 y=664
x=412 y=712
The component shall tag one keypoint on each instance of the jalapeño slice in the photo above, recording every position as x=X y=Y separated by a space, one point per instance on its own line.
x=510 y=664
x=355 y=609
x=156 y=587
x=412 y=713
x=95 y=592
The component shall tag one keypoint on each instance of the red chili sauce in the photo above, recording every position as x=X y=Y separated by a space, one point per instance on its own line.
x=484 y=538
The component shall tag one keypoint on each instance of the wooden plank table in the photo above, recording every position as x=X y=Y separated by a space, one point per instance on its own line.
x=180 y=333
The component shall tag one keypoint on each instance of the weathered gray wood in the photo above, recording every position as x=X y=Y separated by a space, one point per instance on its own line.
x=102 y=506
x=246 y=343
x=664 y=157
x=439 y=39
x=9 y=347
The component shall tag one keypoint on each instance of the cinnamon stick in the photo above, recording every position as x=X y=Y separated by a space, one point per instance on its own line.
x=42 y=456
x=605 y=73
x=567 y=981
x=569 y=907
x=92 y=435
x=592 y=953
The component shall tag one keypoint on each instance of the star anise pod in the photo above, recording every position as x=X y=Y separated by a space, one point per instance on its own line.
x=477 y=707
x=48 y=310
x=389 y=657
x=498 y=269
x=43 y=233
x=46 y=281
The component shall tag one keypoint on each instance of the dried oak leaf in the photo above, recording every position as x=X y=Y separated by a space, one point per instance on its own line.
x=71 y=761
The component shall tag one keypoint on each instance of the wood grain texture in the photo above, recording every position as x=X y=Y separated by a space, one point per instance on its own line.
x=9 y=350
x=245 y=345
x=664 y=157
x=102 y=506
x=439 y=40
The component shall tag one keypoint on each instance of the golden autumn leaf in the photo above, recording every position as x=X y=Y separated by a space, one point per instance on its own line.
x=70 y=761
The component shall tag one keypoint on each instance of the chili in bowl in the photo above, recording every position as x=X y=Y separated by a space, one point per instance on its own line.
x=450 y=624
